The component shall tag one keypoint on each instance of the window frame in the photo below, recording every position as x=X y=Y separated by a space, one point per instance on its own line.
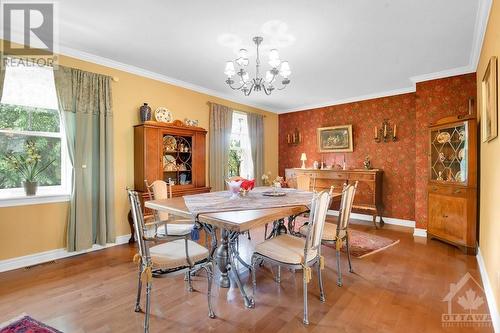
x=45 y=194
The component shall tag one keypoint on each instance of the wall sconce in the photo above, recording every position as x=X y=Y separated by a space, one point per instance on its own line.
x=294 y=138
x=386 y=133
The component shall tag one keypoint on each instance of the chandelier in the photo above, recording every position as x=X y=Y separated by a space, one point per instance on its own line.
x=279 y=72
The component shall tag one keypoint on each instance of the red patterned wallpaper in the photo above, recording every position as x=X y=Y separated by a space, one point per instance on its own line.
x=436 y=99
x=405 y=161
x=397 y=159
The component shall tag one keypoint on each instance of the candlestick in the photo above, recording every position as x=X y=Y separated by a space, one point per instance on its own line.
x=385 y=131
x=376 y=132
x=395 y=126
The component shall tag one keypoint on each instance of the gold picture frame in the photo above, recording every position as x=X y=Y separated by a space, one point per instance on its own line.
x=489 y=102
x=335 y=139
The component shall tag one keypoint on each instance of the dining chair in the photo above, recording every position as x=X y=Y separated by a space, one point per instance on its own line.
x=164 y=223
x=337 y=234
x=297 y=253
x=175 y=255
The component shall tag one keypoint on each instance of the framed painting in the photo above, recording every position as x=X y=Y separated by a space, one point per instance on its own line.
x=489 y=102
x=335 y=139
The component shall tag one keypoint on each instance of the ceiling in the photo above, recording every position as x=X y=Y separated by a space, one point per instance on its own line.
x=338 y=50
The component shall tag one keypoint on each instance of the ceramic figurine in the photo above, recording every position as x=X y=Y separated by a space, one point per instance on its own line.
x=367 y=163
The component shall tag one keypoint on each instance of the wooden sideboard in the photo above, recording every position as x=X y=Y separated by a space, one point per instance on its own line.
x=368 y=195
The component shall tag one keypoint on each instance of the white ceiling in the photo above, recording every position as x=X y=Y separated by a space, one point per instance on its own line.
x=338 y=50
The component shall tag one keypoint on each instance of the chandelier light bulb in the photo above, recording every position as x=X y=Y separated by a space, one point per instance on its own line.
x=274 y=55
x=229 y=70
x=243 y=53
x=245 y=77
x=269 y=77
x=285 y=69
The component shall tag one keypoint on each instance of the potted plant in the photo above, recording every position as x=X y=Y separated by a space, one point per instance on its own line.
x=28 y=166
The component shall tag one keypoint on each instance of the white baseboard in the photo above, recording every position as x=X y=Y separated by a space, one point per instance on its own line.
x=488 y=291
x=388 y=220
x=41 y=257
x=417 y=232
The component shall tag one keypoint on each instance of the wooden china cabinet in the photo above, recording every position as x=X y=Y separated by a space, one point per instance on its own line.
x=170 y=151
x=452 y=186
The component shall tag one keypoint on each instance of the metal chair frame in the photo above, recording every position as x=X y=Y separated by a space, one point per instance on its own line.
x=145 y=261
x=312 y=243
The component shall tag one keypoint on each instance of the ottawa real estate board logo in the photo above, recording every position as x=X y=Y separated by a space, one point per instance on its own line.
x=30 y=32
x=466 y=303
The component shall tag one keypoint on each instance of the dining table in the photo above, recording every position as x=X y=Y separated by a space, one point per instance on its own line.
x=234 y=215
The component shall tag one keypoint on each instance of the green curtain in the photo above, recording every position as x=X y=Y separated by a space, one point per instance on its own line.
x=221 y=122
x=2 y=77
x=85 y=105
x=256 y=134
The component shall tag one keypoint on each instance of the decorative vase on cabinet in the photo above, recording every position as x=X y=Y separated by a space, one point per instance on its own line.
x=452 y=187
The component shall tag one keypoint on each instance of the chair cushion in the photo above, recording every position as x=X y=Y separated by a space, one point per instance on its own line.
x=173 y=254
x=285 y=248
x=329 y=231
x=175 y=229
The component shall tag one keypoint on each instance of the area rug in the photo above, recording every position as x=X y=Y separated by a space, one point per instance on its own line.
x=26 y=324
x=363 y=244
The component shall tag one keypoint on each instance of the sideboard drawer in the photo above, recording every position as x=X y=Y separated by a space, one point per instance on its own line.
x=361 y=176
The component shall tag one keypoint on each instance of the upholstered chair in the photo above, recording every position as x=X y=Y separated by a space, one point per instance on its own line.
x=165 y=224
x=297 y=253
x=337 y=234
x=174 y=255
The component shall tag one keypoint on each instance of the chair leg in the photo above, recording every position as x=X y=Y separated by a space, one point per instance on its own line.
x=139 y=289
x=305 y=320
x=375 y=221
x=209 y=269
x=148 y=307
x=339 y=272
x=278 y=277
x=348 y=253
x=248 y=235
x=187 y=277
x=320 y=282
x=265 y=231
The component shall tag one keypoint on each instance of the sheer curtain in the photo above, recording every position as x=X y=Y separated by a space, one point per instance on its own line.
x=256 y=134
x=221 y=120
x=85 y=104
x=2 y=77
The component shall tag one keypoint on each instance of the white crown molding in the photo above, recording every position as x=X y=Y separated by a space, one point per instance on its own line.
x=488 y=290
x=418 y=232
x=442 y=74
x=81 y=55
x=41 y=257
x=483 y=14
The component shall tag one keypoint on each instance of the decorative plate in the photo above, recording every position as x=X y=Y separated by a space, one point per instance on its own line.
x=461 y=154
x=458 y=177
x=443 y=137
x=163 y=115
x=273 y=194
x=461 y=135
x=169 y=143
x=169 y=163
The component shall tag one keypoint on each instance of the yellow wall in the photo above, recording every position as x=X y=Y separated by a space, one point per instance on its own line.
x=29 y=229
x=489 y=237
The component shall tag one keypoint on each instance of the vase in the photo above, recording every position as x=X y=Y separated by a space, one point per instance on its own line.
x=30 y=187
x=234 y=188
x=145 y=112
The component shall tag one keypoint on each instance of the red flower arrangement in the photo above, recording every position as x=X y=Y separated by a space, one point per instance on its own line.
x=247 y=184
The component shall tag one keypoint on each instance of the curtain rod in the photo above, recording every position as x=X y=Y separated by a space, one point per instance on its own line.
x=263 y=115
x=113 y=78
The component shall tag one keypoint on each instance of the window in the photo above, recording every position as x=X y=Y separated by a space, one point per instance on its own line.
x=29 y=113
x=240 y=156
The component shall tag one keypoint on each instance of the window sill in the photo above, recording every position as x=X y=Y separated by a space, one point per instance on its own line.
x=23 y=200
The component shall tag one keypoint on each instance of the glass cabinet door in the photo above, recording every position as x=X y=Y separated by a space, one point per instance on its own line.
x=448 y=161
x=177 y=159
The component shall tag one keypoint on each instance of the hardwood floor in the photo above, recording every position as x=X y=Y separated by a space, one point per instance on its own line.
x=396 y=290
